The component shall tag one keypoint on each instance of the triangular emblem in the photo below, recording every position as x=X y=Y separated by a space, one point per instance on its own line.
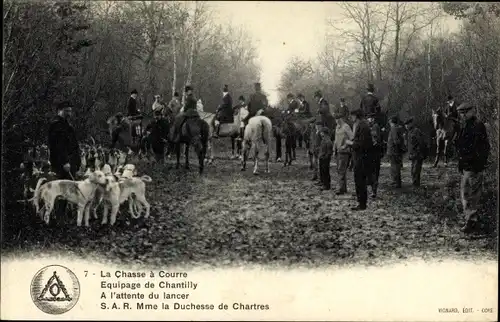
x=54 y=286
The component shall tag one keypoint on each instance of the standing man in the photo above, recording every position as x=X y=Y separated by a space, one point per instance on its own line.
x=370 y=105
x=189 y=111
x=473 y=150
x=64 y=150
x=395 y=150
x=256 y=103
x=343 y=133
x=417 y=150
x=376 y=154
x=63 y=145
x=325 y=156
x=304 y=108
x=362 y=146
x=224 y=113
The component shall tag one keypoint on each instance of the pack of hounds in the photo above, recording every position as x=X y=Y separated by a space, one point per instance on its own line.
x=105 y=180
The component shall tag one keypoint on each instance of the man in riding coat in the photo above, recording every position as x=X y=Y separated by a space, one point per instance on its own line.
x=304 y=108
x=293 y=105
x=473 y=150
x=224 y=113
x=395 y=149
x=256 y=102
x=132 y=104
x=64 y=150
x=371 y=105
x=450 y=109
x=324 y=117
x=189 y=111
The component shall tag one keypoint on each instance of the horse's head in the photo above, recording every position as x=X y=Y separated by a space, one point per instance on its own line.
x=437 y=118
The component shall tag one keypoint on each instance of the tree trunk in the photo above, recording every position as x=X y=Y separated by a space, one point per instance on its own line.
x=429 y=71
x=174 y=76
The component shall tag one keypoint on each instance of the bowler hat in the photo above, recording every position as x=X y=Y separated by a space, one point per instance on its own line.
x=450 y=97
x=188 y=88
x=176 y=94
x=300 y=95
x=370 y=87
x=464 y=107
x=226 y=88
x=63 y=105
x=257 y=85
x=241 y=98
x=134 y=91
x=289 y=95
x=318 y=93
x=342 y=100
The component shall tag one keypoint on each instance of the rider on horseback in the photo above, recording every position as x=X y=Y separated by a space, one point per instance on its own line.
x=134 y=114
x=304 y=108
x=293 y=105
x=256 y=103
x=224 y=113
x=189 y=111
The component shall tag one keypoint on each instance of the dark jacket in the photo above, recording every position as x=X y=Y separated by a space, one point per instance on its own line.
x=120 y=141
x=159 y=132
x=417 y=147
x=325 y=148
x=63 y=145
x=293 y=105
x=256 y=102
x=132 y=107
x=190 y=106
x=395 y=141
x=473 y=146
x=305 y=109
x=450 y=111
x=370 y=104
x=362 y=144
x=342 y=110
x=225 y=110
x=376 y=134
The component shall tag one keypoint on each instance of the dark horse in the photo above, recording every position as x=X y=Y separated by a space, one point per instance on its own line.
x=194 y=131
x=446 y=132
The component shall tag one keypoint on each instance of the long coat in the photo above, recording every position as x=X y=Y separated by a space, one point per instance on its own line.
x=132 y=107
x=225 y=110
x=417 y=147
x=63 y=145
x=159 y=133
x=473 y=146
x=395 y=141
x=370 y=104
x=257 y=101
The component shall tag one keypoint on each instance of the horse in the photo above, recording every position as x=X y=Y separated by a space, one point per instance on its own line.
x=446 y=132
x=194 y=131
x=259 y=129
x=231 y=130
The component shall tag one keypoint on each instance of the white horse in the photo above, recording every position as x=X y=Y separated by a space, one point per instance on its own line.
x=258 y=130
x=230 y=130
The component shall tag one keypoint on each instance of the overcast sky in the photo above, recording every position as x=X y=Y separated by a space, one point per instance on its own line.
x=281 y=29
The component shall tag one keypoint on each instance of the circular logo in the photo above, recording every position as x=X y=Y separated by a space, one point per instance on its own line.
x=55 y=289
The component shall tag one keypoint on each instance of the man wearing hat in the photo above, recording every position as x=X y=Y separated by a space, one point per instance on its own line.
x=473 y=149
x=325 y=156
x=132 y=104
x=64 y=149
x=417 y=150
x=376 y=154
x=224 y=113
x=304 y=108
x=395 y=150
x=63 y=145
x=342 y=109
x=451 y=108
x=362 y=146
x=370 y=105
x=343 y=133
x=189 y=111
x=325 y=117
x=175 y=104
x=257 y=102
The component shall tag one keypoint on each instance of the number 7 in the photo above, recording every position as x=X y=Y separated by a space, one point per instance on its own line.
x=86 y=273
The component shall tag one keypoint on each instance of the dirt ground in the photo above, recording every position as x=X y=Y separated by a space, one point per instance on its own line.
x=227 y=216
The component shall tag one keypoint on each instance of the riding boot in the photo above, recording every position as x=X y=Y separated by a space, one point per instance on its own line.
x=217 y=129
